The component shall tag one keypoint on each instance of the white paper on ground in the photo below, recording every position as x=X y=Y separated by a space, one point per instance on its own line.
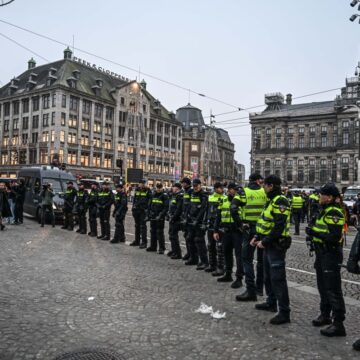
x=218 y=315
x=91 y=298
x=204 y=309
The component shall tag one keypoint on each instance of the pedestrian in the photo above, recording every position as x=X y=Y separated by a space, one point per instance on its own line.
x=297 y=203
x=10 y=188
x=105 y=199
x=196 y=227
x=19 y=201
x=327 y=236
x=5 y=211
x=158 y=207
x=47 y=204
x=175 y=211
x=140 y=206
x=69 y=201
x=81 y=202
x=305 y=209
x=120 y=210
x=229 y=223
x=272 y=235
x=215 y=248
x=91 y=205
x=187 y=191
x=255 y=201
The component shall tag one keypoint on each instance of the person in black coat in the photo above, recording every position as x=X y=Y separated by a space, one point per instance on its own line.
x=4 y=205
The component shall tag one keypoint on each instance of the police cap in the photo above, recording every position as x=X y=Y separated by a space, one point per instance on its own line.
x=329 y=189
x=218 y=185
x=159 y=185
x=196 y=182
x=272 y=180
x=186 y=181
x=178 y=185
x=255 y=176
x=232 y=185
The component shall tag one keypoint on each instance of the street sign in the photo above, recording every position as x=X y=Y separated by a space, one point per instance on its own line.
x=134 y=175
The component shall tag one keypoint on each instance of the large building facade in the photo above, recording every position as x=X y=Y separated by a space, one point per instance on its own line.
x=308 y=144
x=208 y=153
x=88 y=118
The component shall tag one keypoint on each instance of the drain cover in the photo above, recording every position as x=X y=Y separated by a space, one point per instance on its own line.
x=90 y=354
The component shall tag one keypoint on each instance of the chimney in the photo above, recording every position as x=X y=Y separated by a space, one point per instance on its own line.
x=31 y=64
x=288 y=99
x=67 y=53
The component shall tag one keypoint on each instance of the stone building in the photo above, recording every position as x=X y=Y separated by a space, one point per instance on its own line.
x=88 y=118
x=311 y=143
x=239 y=174
x=208 y=153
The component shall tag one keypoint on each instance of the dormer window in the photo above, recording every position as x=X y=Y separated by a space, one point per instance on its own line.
x=76 y=74
x=99 y=83
x=72 y=82
x=96 y=89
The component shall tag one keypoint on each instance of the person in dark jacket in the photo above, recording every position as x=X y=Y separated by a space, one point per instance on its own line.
x=139 y=210
x=326 y=234
x=81 y=208
x=5 y=211
x=187 y=190
x=91 y=205
x=19 y=201
x=47 y=203
x=120 y=210
x=158 y=207
x=69 y=201
x=105 y=199
x=175 y=211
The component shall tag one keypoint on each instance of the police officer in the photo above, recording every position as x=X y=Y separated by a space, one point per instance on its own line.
x=91 y=204
x=186 y=185
x=175 y=211
x=81 y=208
x=119 y=214
x=297 y=203
x=139 y=210
x=272 y=235
x=158 y=207
x=105 y=199
x=69 y=201
x=47 y=202
x=216 y=253
x=228 y=222
x=196 y=227
x=314 y=204
x=327 y=236
x=255 y=200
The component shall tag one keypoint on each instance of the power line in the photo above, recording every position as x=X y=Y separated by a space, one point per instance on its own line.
x=123 y=66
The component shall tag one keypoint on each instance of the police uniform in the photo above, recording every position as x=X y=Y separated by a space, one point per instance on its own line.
x=69 y=201
x=105 y=199
x=91 y=204
x=120 y=209
x=255 y=201
x=272 y=229
x=297 y=203
x=139 y=211
x=80 y=206
x=314 y=204
x=186 y=183
x=327 y=236
x=175 y=211
x=215 y=248
x=158 y=207
x=196 y=228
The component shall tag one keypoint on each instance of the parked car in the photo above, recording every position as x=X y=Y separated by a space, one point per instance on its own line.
x=35 y=178
x=350 y=195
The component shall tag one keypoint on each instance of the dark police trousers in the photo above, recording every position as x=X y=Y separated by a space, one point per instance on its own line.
x=104 y=215
x=296 y=213
x=92 y=219
x=82 y=220
x=212 y=249
x=233 y=240
x=197 y=244
x=140 y=226
x=327 y=266
x=50 y=210
x=247 y=254
x=68 y=219
x=157 y=234
x=174 y=228
x=275 y=279
x=119 y=227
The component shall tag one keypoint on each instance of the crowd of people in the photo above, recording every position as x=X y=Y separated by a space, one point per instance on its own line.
x=232 y=222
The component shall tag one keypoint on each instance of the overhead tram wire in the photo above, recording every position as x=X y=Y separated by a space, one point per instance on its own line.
x=123 y=66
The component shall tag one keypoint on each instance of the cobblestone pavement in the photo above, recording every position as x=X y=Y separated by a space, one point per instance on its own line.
x=61 y=291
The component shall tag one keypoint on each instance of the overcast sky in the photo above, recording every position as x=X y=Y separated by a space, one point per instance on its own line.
x=231 y=50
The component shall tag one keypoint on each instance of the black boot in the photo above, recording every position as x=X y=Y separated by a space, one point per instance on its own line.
x=142 y=246
x=226 y=278
x=114 y=241
x=101 y=237
x=266 y=307
x=210 y=269
x=191 y=262
x=201 y=266
x=218 y=272
x=356 y=345
x=321 y=320
x=176 y=257
x=134 y=243
x=335 y=329
x=280 y=319
x=246 y=296
x=237 y=284
x=186 y=257
x=170 y=253
x=150 y=249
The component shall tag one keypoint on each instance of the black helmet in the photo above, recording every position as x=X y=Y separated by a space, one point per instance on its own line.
x=272 y=180
x=196 y=182
x=329 y=189
x=255 y=176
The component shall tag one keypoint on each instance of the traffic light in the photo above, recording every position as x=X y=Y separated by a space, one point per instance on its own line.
x=119 y=163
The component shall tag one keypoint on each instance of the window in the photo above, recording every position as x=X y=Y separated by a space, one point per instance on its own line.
x=312 y=129
x=74 y=103
x=152 y=125
x=5 y=141
x=45 y=122
x=25 y=122
x=166 y=142
x=312 y=142
x=98 y=110
x=278 y=143
x=84 y=159
x=71 y=157
x=86 y=107
x=345 y=169
x=323 y=141
x=35 y=103
x=62 y=136
x=159 y=127
x=63 y=101
x=97 y=127
x=290 y=131
x=277 y=162
x=334 y=139
x=97 y=142
x=323 y=129
x=109 y=115
x=108 y=129
x=312 y=162
x=35 y=121
x=121 y=131
x=268 y=143
x=173 y=143
x=16 y=124
x=34 y=137
x=6 y=125
x=107 y=144
x=63 y=119
x=53 y=100
x=85 y=124
x=345 y=136
x=301 y=130
x=122 y=101
x=53 y=118
x=46 y=101
x=72 y=138
x=84 y=140
x=159 y=140
x=144 y=108
x=345 y=124
x=25 y=105
x=151 y=139
x=289 y=175
x=107 y=161
x=24 y=139
x=73 y=121
x=301 y=175
x=6 y=109
x=290 y=163
x=290 y=143
x=268 y=131
x=301 y=142
x=194 y=147
x=45 y=136
x=16 y=106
